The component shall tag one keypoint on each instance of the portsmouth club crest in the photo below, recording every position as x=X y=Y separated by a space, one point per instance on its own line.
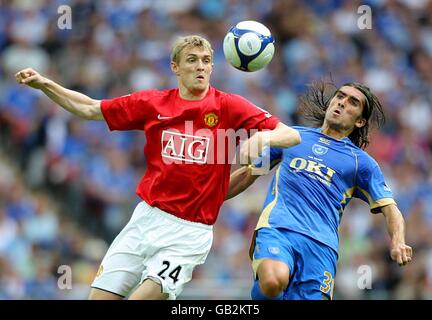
x=211 y=119
x=319 y=150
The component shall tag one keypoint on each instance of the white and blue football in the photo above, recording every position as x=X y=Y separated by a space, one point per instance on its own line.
x=248 y=46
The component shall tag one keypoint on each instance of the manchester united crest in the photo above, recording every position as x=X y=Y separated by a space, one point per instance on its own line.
x=211 y=119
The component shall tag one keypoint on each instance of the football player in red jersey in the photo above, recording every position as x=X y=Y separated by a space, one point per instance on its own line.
x=170 y=231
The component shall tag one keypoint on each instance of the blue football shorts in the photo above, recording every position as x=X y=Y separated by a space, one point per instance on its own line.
x=312 y=264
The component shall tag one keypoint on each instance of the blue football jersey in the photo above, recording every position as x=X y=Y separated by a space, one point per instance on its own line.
x=314 y=183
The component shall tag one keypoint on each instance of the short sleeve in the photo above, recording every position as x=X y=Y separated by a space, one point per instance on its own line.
x=371 y=186
x=244 y=114
x=275 y=157
x=275 y=154
x=127 y=112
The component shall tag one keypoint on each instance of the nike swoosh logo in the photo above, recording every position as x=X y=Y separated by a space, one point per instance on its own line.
x=162 y=117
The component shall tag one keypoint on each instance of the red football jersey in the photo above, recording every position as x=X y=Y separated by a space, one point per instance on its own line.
x=188 y=157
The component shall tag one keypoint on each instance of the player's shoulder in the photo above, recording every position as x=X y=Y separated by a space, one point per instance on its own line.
x=154 y=93
x=304 y=129
x=365 y=160
x=228 y=95
x=234 y=103
x=306 y=132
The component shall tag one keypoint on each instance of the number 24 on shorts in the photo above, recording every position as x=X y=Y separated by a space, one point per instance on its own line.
x=173 y=274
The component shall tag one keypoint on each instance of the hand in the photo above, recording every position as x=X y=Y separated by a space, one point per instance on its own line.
x=30 y=77
x=401 y=253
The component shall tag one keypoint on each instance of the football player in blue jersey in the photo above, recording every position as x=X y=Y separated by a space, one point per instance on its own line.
x=295 y=247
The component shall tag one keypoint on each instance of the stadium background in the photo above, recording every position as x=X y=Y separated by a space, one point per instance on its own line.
x=67 y=185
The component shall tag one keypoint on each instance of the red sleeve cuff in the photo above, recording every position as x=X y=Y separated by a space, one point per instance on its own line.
x=105 y=113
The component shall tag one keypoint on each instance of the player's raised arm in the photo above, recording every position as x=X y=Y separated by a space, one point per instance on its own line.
x=399 y=251
x=72 y=101
x=282 y=136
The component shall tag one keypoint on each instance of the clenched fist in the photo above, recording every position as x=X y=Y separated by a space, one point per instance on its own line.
x=402 y=254
x=30 y=77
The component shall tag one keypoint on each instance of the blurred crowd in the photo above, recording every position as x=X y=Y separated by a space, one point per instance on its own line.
x=67 y=185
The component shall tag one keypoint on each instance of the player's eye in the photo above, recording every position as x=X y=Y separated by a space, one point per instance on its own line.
x=354 y=102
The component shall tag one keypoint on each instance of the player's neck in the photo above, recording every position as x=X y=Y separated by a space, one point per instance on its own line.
x=187 y=94
x=334 y=133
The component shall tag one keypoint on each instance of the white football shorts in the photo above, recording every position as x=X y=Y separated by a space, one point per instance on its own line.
x=154 y=244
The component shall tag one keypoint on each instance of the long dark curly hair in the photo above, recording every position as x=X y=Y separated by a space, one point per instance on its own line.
x=315 y=101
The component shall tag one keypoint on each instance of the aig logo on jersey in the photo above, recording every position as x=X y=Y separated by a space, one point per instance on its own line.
x=184 y=147
x=319 y=150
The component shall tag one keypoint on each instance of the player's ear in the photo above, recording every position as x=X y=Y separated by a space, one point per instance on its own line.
x=175 y=68
x=360 y=123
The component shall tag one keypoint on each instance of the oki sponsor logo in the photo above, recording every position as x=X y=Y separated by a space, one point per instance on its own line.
x=316 y=170
x=184 y=147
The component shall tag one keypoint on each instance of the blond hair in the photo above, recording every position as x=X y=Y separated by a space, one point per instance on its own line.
x=183 y=42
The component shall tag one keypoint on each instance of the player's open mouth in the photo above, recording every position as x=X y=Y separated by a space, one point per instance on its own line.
x=336 y=111
x=200 y=77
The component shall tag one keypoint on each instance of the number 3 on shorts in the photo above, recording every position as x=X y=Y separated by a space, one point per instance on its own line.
x=328 y=284
x=173 y=274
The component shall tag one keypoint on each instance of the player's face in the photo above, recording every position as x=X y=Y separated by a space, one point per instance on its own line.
x=194 y=69
x=345 y=110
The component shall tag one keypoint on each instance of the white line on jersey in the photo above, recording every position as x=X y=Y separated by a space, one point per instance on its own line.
x=162 y=117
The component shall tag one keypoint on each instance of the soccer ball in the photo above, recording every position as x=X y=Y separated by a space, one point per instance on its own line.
x=248 y=46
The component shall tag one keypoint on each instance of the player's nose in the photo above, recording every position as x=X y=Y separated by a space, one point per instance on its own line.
x=200 y=65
